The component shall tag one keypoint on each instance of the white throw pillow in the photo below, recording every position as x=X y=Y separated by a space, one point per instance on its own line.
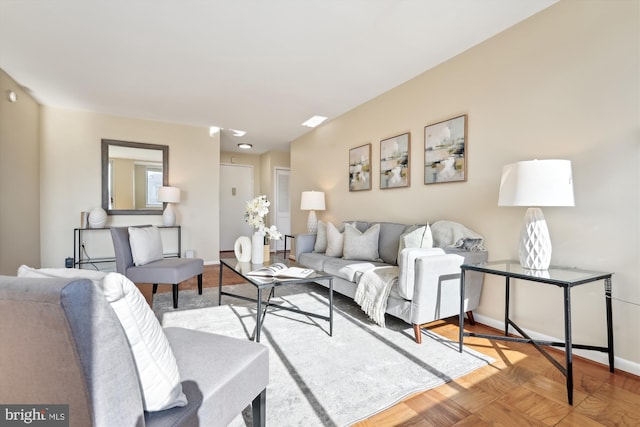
x=321 y=238
x=361 y=246
x=146 y=244
x=155 y=363
x=335 y=241
x=416 y=237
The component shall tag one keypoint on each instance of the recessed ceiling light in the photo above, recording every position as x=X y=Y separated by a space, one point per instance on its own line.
x=238 y=132
x=314 y=121
x=213 y=130
x=245 y=146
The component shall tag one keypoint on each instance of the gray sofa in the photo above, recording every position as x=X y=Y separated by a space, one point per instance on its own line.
x=62 y=343
x=428 y=286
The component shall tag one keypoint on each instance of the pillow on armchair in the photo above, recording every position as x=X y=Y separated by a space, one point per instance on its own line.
x=146 y=244
x=155 y=362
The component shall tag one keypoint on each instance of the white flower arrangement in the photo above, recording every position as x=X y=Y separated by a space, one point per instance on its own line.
x=256 y=210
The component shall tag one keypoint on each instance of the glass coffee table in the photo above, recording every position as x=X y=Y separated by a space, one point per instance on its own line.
x=242 y=268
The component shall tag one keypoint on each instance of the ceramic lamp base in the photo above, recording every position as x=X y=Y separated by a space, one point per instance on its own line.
x=535 y=243
x=169 y=216
x=312 y=222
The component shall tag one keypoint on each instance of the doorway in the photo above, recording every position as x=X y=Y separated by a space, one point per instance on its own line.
x=282 y=208
x=236 y=188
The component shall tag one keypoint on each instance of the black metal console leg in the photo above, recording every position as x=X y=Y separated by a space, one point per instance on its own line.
x=259 y=409
x=607 y=294
x=199 y=284
x=568 y=350
x=155 y=288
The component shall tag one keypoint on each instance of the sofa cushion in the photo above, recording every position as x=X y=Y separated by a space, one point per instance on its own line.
x=154 y=360
x=335 y=241
x=348 y=269
x=146 y=244
x=321 y=238
x=313 y=260
x=361 y=246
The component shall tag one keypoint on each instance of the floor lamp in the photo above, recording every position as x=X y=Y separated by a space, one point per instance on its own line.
x=536 y=183
x=312 y=201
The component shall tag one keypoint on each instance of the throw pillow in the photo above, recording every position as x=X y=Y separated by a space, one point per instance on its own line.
x=156 y=365
x=335 y=241
x=146 y=244
x=416 y=237
x=361 y=246
x=321 y=238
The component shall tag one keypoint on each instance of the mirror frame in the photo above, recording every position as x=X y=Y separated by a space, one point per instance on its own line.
x=106 y=143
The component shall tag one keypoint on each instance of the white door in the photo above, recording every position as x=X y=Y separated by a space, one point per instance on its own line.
x=282 y=206
x=236 y=188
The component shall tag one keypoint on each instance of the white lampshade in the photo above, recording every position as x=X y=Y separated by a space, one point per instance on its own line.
x=536 y=183
x=169 y=194
x=312 y=201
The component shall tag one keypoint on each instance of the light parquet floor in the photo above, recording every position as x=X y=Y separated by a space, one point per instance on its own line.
x=521 y=388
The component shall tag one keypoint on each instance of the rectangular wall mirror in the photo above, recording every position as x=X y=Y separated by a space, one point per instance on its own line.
x=132 y=173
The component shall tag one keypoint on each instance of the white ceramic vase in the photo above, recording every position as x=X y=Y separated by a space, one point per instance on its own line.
x=242 y=249
x=257 y=248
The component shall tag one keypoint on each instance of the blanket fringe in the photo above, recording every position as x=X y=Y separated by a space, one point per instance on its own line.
x=373 y=291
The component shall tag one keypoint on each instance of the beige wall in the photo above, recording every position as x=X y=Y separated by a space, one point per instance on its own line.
x=71 y=179
x=562 y=84
x=19 y=179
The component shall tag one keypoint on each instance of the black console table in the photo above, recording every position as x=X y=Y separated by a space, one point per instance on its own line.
x=566 y=278
x=79 y=260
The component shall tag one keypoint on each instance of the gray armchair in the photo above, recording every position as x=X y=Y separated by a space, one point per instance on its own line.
x=166 y=271
x=62 y=343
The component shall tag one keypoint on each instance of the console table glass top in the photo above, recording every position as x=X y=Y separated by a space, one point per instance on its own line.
x=561 y=276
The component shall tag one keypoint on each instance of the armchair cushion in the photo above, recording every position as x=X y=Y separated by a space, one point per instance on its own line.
x=155 y=363
x=146 y=244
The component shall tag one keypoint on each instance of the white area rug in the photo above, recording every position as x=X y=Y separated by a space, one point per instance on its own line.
x=319 y=380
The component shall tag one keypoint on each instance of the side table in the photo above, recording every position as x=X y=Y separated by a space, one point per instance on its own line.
x=566 y=278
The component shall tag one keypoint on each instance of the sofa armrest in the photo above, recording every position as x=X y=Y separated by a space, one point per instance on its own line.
x=304 y=243
x=437 y=288
x=407 y=272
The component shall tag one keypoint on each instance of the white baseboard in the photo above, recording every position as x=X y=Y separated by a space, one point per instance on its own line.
x=596 y=356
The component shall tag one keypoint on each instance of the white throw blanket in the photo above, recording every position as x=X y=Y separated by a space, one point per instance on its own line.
x=373 y=291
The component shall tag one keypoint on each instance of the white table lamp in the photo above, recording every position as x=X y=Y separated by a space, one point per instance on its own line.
x=312 y=201
x=169 y=195
x=536 y=183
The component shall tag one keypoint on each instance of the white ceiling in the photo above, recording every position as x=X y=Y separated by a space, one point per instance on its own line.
x=262 y=66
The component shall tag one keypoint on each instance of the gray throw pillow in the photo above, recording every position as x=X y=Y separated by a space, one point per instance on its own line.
x=335 y=241
x=361 y=246
x=321 y=238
